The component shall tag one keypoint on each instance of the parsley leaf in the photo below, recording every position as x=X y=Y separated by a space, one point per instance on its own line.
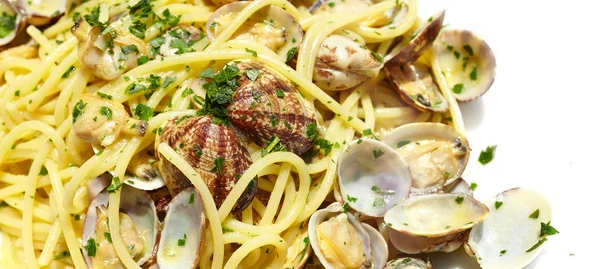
x=459 y=200
x=218 y=165
x=539 y=243
x=546 y=229
x=106 y=111
x=458 y=88
x=291 y=53
x=115 y=186
x=487 y=155
x=144 y=112
x=254 y=54
x=280 y=94
x=351 y=199
x=78 y=110
x=253 y=74
x=535 y=214
x=498 y=204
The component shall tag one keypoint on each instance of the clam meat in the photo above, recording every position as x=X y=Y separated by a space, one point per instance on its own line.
x=101 y=121
x=436 y=153
x=177 y=40
x=213 y=150
x=339 y=240
x=343 y=63
x=271 y=26
x=416 y=86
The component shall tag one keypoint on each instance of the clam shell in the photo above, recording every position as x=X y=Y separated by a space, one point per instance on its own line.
x=270 y=106
x=372 y=177
x=203 y=144
x=459 y=186
x=415 y=132
x=430 y=223
x=375 y=247
x=420 y=42
x=416 y=87
x=10 y=9
x=271 y=15
x=181 y=236
x=138 y=205
x=41 y=12
x=467 y=60
x=510 y=228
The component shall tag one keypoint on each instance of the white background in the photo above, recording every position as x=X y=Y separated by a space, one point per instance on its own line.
x=542 y=112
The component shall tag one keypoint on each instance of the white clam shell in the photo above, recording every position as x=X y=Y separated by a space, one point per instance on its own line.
x=510 y=228
x=372 y=177
x=431 y=223
x=407 y=263
x=181 y=236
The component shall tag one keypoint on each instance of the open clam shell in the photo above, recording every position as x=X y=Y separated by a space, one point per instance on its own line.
x=407 y=263
x=372 y=177
x=181 y=236
x=430 y=223
x=506 y=239
x=436 y=153
x=12 y=22
x=466 y=62
x=271 y=26
x=422 y=40
x=416 y=86
x=41 y=12
x=339 y=240
x=138 y=206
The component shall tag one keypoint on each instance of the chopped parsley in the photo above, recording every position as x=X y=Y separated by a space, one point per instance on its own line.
x=115 y=186
x=473 y=186
x=291 y=53
x=218 y=165
x=129 y=49
x=502 y=252
x=104 y=96
x=535 y=214
x=367 y=132
x=43 y=171
x=546 y=229
x=377 y=56
x=7 y=24
x=487 y=155
x=192 y=198
x=459 y=200
x=144 y=112
x=273 y=146
x=181 y=242
x=473 y=74
x=378 y=202
x=377 y=153
x=207 y=73
x=468 y=49
x=197 y=150
x=168 y=81
x=323 y=144
x=538 y=244
x=458 y=88
x=219 y=90
x=331 y=4
x=253 y=74
x=402 y=143
x=78 y=110
x=346 y=207
x=498 y=204
x=351 y=199
x=108 y=237
x=106 y=111
x=142 y=60
x=280 y=94
x=68 y=72
x=254 y=54
x=62 y=255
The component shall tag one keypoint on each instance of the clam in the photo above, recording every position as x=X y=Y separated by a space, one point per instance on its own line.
x=176 y=41
x=101 y=121
x=181 y=235
x=270 y=26
x=467 y=63
x=343 y=63
x=511 y=236
x=436 y=153
x=213 y=150
x=430 y=223
x=299 y=249
x=138 y=228
x=267 y=105
x=41 y=12
x=416 y=86
x=340 y=241
x=107 y=52
x=420 y=41
x=407 y=263
x=372 y=177
x=11 y=22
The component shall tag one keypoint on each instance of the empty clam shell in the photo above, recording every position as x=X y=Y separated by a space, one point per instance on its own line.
x=407 y=263
x=268 y=105
x=421 y=41
x=417 y=87
x=181 y=236
x=467 y=63
x=340 y=241
x=430 y=223
x=509 y=236
x=213 y=150
x=436 y=153
x=372 y=177
x=271 y=26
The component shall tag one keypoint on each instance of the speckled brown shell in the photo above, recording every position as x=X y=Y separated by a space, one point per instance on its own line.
x=259 y=113
x=200 y=142
x=420 y=42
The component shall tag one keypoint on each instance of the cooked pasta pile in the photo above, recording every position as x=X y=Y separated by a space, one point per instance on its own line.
x=45 y=167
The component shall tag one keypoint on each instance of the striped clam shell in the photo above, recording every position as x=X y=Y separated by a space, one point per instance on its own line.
x=202 y=143
x=269 y=106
